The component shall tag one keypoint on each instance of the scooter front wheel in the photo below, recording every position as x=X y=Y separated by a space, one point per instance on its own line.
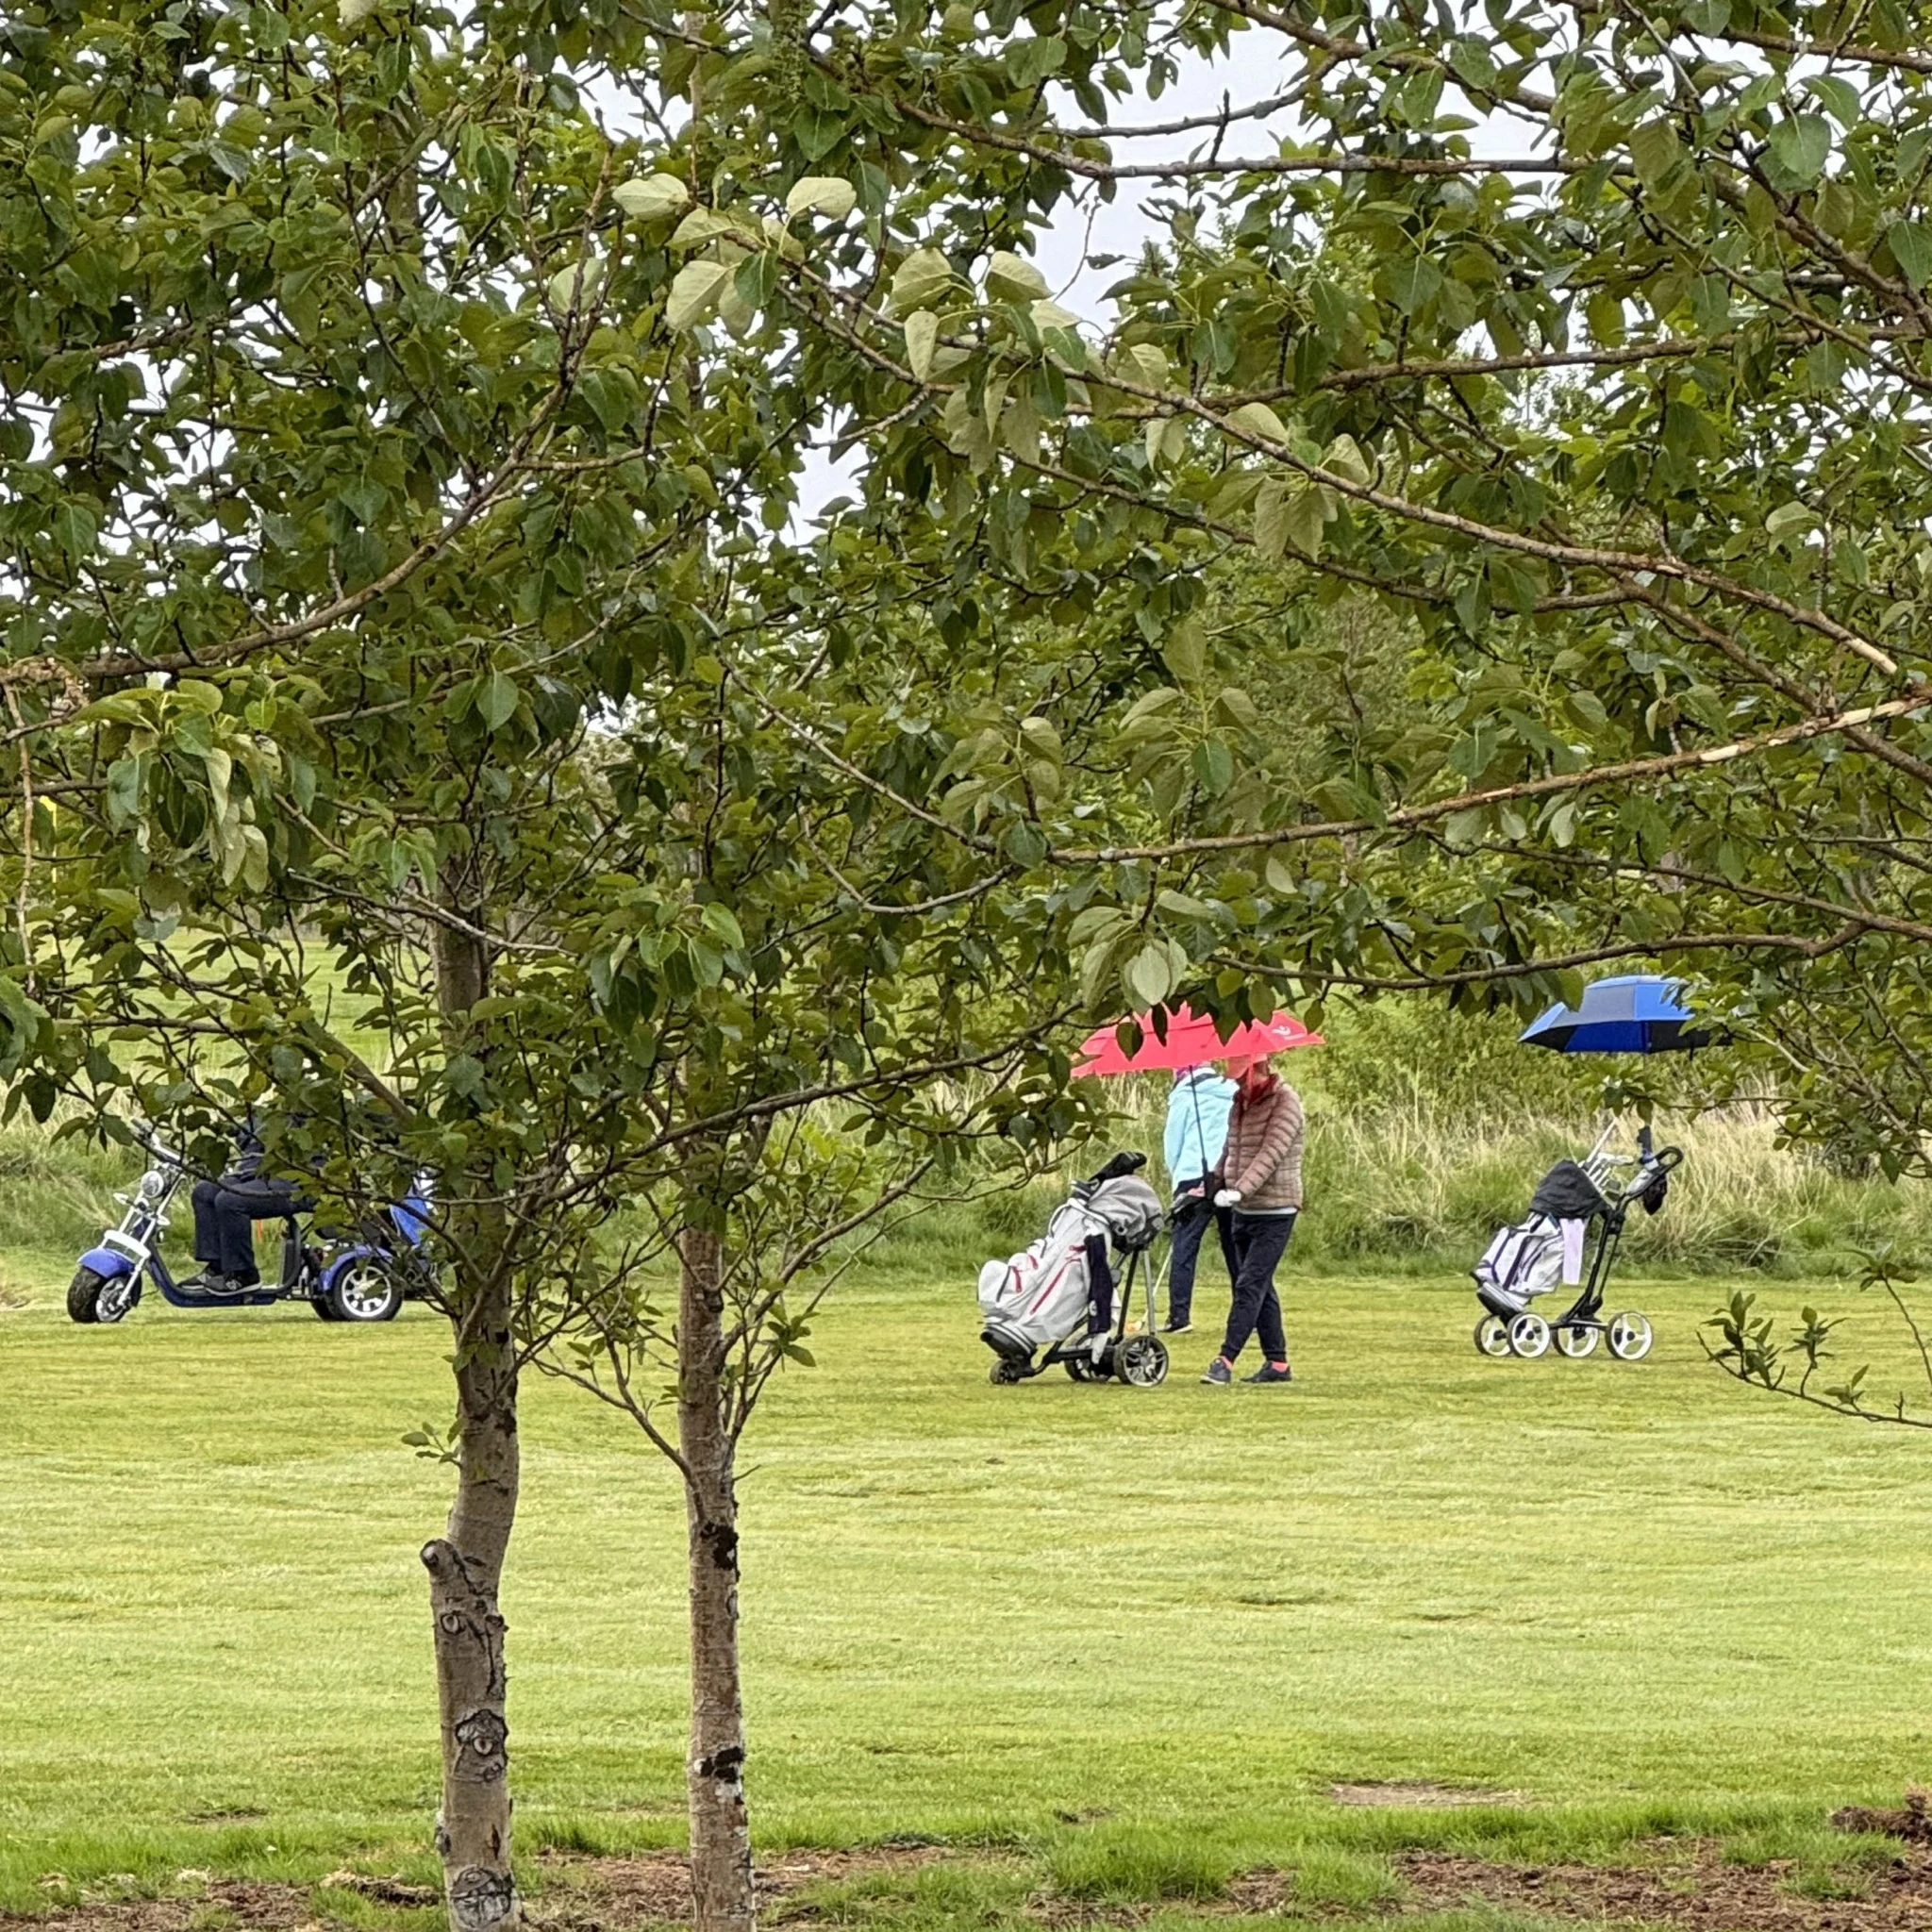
x=84 y=1296
x=92 y=1296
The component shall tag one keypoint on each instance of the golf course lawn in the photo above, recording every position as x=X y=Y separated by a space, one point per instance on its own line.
x=1608 y=1591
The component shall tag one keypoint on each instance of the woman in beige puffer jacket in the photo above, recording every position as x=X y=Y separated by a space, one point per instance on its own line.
x=1262 y=1181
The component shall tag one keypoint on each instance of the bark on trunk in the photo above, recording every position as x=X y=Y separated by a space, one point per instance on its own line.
x=465 y=1564
x=722 y=1896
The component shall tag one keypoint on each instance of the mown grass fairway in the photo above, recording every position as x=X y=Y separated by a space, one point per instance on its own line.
x=969 y=1609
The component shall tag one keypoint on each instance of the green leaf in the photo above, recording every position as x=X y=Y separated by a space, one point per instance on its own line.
x=922 y=337
x=1801 y=146
x=1010 y=277
x=496 y=699
x=1147 y=975
x=722 y=923
x=921 y=280
x=1030 y=61
x=577 y=283
x=1345 y=458
x=1185 y=652
x=650 y=197
x=1838 y=96
x=1306 y=515
x=695 y=292
x=1911 y=248
x=705 y=224
x=1183 y=905
x=1145 y=363
x=1656 y=151
x=823 y=194
x=1271 y=521
x=1413 y=282
x=1473 y=62
x=1257 y=418
x=1213 y=767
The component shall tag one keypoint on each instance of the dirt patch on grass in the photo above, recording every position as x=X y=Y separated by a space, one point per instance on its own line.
x=1689 y=1886
x=222 y=1903
x=581 y=1893
x=1428 y=1796
x=1685 y=1886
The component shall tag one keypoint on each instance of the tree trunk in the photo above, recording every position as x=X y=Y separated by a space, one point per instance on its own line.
x=720 y=1829
x=465 y=1564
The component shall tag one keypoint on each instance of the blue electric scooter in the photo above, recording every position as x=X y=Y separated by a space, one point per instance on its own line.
x=359 y=1281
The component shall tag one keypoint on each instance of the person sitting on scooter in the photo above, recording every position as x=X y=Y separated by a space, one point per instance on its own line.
x=226 y=1211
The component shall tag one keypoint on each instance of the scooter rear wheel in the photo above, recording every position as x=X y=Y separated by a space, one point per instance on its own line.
x=364 y=1290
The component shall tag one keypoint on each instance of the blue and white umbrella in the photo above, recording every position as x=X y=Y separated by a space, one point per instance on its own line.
x=1635 y=1012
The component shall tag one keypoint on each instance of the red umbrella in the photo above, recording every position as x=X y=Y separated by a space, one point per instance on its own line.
x=1191 y=1039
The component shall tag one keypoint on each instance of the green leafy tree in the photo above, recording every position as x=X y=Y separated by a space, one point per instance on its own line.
x=1618 y=407
x=352 y=463
x=396 y=653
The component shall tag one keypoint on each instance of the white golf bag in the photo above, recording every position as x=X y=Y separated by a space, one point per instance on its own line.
x=1037 y=1298
x=1523 y=1261
x=1545 y=1250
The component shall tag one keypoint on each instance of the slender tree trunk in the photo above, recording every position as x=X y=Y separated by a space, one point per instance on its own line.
x=720 y=1829
x=465 y=1563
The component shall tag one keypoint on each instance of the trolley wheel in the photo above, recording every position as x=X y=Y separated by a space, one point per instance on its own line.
x=1529 y=1337
x=1492 y=1336
x=1140 y=1360
x=1003 y=1371
x=1577 y=1340
x=1080 y=1368
x=1630 y=1335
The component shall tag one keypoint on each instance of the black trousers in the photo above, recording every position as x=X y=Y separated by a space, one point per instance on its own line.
x=226 y=1212
x=1099 y=1286
x=1259 y=1242
x=1189 y=1227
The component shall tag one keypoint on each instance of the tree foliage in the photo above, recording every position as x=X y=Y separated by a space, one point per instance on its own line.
x=1591 y=341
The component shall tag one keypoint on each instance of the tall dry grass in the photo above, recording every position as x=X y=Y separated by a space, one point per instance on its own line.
x=1417 y=1188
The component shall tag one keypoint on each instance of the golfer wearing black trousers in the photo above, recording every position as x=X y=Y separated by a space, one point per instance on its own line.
x=1262 y=1171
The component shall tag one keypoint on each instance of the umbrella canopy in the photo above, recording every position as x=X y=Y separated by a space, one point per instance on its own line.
x=1191 y=1041
x=1635 y=1012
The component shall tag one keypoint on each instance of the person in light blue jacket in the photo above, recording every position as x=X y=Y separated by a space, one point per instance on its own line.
x=1197 y=1114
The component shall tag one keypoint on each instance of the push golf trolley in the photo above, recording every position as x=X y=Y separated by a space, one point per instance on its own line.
x=1058 y=1301
x=1579 y=1207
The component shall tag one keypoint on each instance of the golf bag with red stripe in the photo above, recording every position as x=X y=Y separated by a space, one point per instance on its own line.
x=1046 y=1292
